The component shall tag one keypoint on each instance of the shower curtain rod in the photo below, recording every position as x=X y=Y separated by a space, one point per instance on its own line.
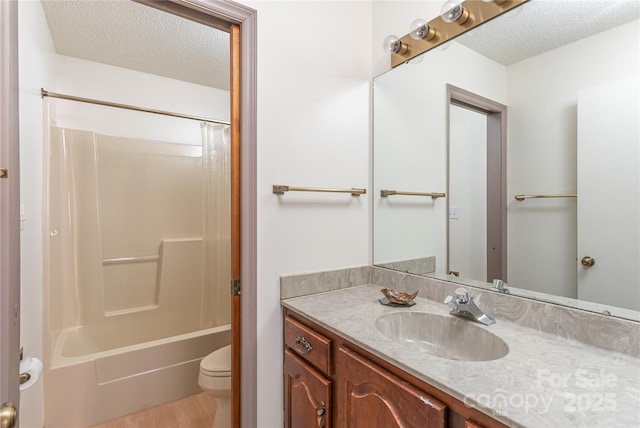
x=46 y=93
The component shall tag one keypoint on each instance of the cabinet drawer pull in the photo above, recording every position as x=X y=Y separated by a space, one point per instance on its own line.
x=302 y=341
x=321 y=413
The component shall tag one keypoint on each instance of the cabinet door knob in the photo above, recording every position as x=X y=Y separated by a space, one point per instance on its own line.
x=307 y=346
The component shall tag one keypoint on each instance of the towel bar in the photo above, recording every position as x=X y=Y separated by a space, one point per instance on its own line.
x=279 y=189
x=385 y=193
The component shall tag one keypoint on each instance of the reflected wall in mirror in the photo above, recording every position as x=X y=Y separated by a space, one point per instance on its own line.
x=571 y=90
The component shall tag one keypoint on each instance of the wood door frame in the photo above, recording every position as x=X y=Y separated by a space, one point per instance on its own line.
x=9 y=206
x=240 y=21
x=496 y=175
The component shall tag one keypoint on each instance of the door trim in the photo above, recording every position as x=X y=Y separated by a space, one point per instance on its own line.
x=9 y=206
x=241 y=22
x=496 y=175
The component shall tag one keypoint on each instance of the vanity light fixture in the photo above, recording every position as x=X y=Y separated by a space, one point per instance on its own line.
x=453 y=11
x=420 y=30
x=393 y=45
x=424 y=36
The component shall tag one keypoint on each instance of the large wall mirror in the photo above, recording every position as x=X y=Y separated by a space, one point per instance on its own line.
x=567 y=195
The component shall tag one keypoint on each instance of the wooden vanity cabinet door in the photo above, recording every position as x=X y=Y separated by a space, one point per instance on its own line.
x=368 y=396
x=307 y=395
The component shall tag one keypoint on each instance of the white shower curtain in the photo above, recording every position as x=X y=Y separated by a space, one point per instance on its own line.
x=216 y=174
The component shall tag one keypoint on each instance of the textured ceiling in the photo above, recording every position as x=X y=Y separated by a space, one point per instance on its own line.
x=542 y=25
x=130 y=35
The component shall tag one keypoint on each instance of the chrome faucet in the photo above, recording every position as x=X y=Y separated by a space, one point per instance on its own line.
x=463 y=306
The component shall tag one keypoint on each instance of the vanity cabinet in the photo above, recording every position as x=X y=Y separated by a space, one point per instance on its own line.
x=307 y=383
x=369 y=396
x=330 y=381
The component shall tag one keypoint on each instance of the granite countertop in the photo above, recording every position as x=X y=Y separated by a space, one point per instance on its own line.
x=544 y=380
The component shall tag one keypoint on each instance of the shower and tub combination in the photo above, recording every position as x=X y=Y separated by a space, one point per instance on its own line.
x=137 y=270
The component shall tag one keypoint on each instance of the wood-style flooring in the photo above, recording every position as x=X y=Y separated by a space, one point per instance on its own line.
x=196 y=411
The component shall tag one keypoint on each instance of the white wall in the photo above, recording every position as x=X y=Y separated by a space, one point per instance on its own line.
x=314 y=66
x=90 y=79
x=542 y=151
x=36 y=64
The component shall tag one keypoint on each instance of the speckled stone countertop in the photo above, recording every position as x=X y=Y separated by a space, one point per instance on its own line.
x=544 y=380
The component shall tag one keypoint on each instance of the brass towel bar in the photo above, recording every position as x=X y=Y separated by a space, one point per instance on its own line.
x=523 y=197
x=279 y=189
x=385 y=193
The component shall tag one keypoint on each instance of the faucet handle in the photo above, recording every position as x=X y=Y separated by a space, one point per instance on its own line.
x=449 y=301
x=500 y=285
x=462 y=295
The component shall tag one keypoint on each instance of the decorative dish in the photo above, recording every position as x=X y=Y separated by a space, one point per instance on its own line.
x=397 y=298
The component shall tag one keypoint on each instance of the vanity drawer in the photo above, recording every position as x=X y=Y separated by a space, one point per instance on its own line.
x=309 y=345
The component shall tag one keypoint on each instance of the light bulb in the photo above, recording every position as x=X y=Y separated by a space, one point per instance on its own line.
x=419 y=30
x=393 y=45
x=453 y=11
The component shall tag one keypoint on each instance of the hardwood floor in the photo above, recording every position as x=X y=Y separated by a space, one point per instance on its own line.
x=196 y=411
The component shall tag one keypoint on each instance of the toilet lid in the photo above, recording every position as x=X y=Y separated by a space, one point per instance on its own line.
x=217 y=363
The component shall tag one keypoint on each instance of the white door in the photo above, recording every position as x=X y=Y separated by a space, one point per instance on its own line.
x=468 y=193
x=9 y=214
x=608 y=194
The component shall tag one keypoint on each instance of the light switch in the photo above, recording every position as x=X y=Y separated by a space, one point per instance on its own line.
x=22 y=217
x=454 y=213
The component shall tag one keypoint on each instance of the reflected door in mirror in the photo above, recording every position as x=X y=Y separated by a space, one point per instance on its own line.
x=609 y=194
x=468 y=193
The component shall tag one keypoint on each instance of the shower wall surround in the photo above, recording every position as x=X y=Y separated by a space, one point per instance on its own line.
x=126 y=237
x=591 y=329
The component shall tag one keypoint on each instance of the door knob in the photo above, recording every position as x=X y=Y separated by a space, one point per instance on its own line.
x=587 y=261
x=8 y=415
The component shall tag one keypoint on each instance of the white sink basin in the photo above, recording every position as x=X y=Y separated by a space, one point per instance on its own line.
x=446 y=337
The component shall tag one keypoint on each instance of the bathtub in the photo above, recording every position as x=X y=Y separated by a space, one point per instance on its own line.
x=85 y=385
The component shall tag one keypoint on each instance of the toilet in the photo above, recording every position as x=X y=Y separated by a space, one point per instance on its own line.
x=215 y=380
